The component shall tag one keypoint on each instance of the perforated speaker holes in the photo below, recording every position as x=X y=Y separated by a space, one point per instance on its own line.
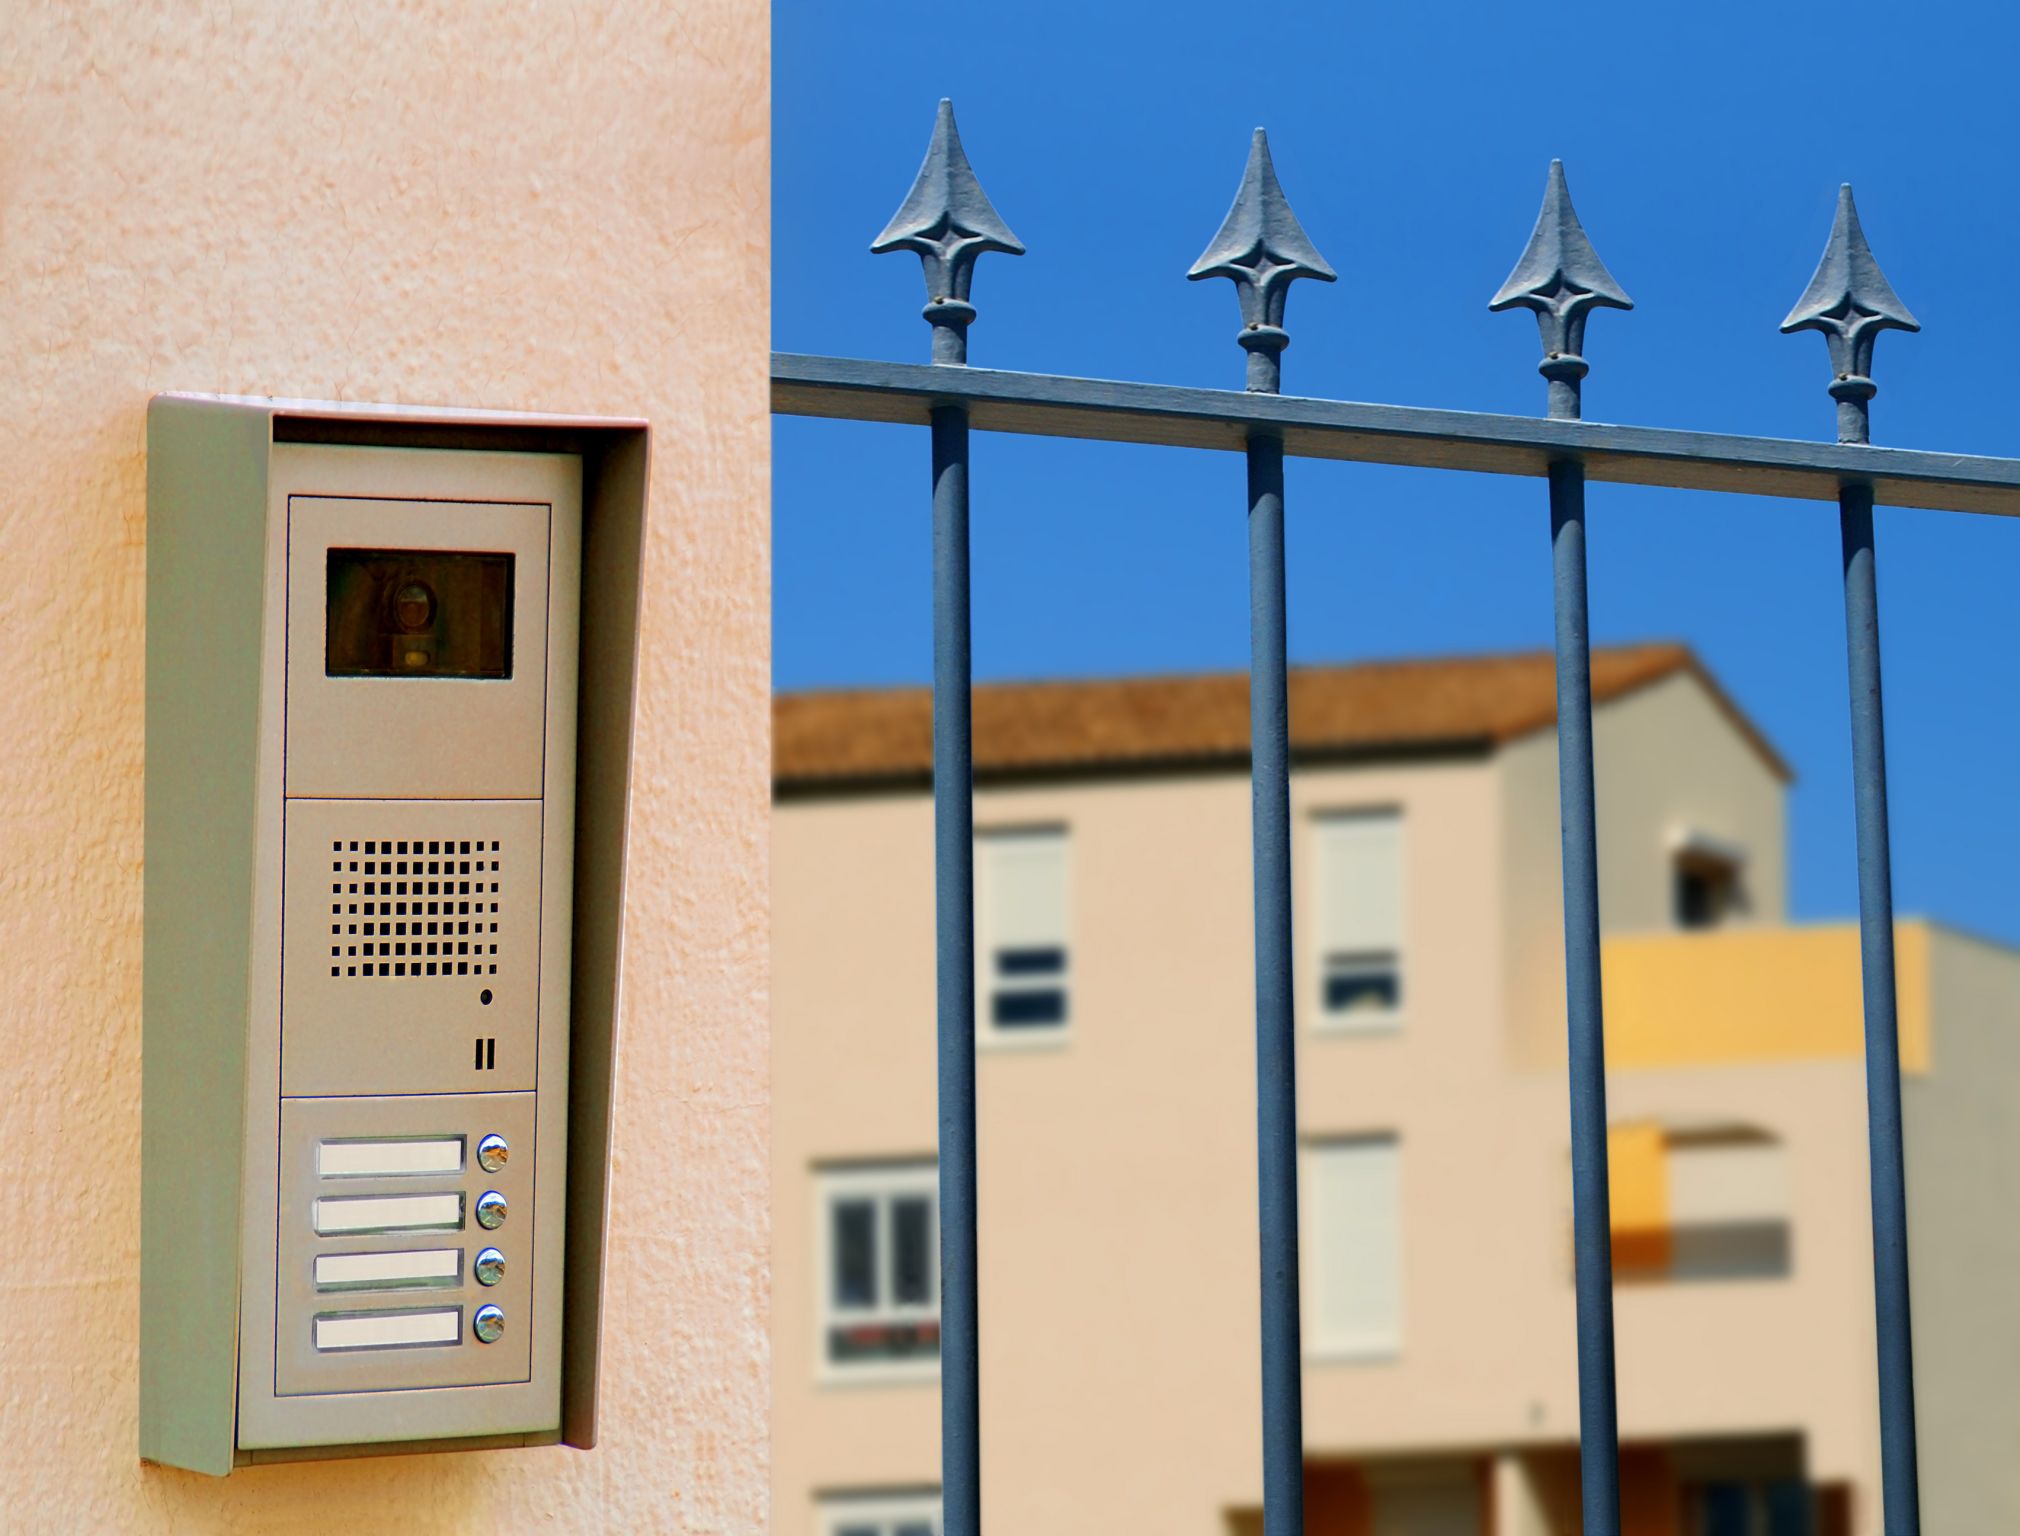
x=414 y=908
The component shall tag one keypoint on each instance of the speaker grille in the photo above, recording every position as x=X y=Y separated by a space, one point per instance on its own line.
x=414 y=908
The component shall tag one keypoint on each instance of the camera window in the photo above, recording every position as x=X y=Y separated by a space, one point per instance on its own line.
x=418 y=613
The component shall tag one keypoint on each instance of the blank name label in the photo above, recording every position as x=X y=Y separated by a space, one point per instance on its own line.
x=352 y=1271
x=388 y=1330
x=385 y=1159
x=389 y=1213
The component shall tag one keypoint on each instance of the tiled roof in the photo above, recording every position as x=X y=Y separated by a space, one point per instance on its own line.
x=871 y=737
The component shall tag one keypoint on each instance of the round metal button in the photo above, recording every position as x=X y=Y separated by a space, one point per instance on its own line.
x=488 y=1325
x=491 y=1210
x=493 y=1153
x=489 y=1267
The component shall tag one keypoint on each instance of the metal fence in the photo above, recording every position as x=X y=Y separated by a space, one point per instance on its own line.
x=949 y=221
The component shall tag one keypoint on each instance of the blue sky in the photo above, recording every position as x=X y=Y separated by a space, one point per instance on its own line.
x=1704 y=145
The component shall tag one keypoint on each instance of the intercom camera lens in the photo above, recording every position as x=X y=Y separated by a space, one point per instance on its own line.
x=491 y=1210
x=488 y=1325
x=414 y=607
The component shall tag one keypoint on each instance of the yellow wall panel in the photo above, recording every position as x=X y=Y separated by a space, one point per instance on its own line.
x=1754 y=995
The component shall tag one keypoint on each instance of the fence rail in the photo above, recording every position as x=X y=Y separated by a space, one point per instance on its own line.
x=948 y=221
x=1176 y=416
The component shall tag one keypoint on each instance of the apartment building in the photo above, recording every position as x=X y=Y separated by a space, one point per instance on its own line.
x=1115 y=1060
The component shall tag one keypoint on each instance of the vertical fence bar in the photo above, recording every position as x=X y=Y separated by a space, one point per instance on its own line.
x=1591 y=1219
x=1900 y=1492
x=1263 y=248
x=954 y=926
x=1850 y=300
x=949 y=221
x=1562 y=279
x=1275 y=1013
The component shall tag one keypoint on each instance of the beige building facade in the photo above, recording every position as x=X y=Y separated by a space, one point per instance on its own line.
x=1119 y=1292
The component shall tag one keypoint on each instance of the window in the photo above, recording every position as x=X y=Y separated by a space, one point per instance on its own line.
x=880 y=1514
x=1704 y=893
x=1698 y=1203
x=1705 y=880
x=1360 y=918
x=1020 y=923
x=1354 y=1281
x=1777 y=1507
x=879 y=1259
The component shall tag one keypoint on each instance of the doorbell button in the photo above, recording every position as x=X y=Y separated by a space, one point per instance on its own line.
x=491 y=1210
x=489 y=1267
x=488 y=1325
x=493 y=1153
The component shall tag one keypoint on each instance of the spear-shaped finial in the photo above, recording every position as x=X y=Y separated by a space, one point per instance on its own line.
x=1264 y=249
x=1851 y=302
x=1561 y=277
x=948 y=219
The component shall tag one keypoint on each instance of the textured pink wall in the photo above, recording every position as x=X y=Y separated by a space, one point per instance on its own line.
x=543 y=206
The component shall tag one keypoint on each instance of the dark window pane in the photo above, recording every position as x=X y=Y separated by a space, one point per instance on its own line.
x=855 y=1253
x=1707 y=890
x=911 y=1250
x=1352 y=987
x=851 y=1342
x=418 y=613
x=1789 y=1507
x=1733 y=1250
x=1726 y=1510
x=1030 y=962
x=1696 y=899
x=1018 y=1010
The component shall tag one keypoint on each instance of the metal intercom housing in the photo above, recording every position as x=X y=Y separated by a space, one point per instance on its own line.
x=391 y=660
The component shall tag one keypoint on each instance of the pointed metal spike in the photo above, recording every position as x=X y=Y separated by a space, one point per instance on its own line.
x=1559 y=266
x=1850 y=300
x=949 y=221
x=946 y=194
x=1561 y=277
x=1847 y=271
x=1260 y=223
x=1263 y=247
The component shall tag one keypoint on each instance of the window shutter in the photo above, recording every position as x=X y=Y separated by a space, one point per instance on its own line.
x=1356 y=1243
x=1361 y=882
x=1721 y=1182
x=1026 y=898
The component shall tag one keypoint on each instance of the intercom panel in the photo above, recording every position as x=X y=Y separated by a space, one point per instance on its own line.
x=428 y=735
x=403 y=802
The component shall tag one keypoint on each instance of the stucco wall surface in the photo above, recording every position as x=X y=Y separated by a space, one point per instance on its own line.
x=543 y=206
